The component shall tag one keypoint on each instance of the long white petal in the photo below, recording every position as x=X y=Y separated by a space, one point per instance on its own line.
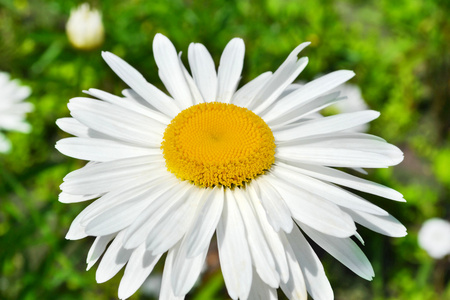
x=234 y=254
x=166 y=291
x=295 y=287
x=308 y=92
x=272 y=238
x=344 y=250
x=158 y=204
x=314 y=210
x=113 y=260
x=260 y=290
x=116 y=122
x=324 y=125
x=106 y=176
x=259 y=249
x=328 y=191
x=387 y=225
x=170 y=71
x=283 y=77
x=100 y=150
x=203 y=71
x=137 y=104
x=186 y=269
x=205 y=221
x=230 y=68
x=195 y=92
x=316 y=280
x=97 y=249
x=140 y=265
x=137 y=82
x=277 y=211
x=245 y=95
x=344 y=179
x=335 y=157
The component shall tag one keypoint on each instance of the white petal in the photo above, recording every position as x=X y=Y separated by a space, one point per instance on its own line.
x=68 y=198
x=314 y=210
x=113 y=260
x=278 y=213
x=97 y=249
x=72 y=126
x=316 y=280
x=76 y=230
x=139 y=266
x=245 y=95
x=205 y=221
x=195 y=92
x=230 y=68
x=134 y=191
x=203 y=71
x=324 y=125
x=100 y=150
x=344 y=250
x=117 y=122
x=334 y=157
x=259 y=249
x=167 y=292
x=295 y=287
x=123 y=214
x=186 y=270
x=133 y=102
x=173 y=225
x=272 y=238
x=344 y=179
x=330 y=192
x=387 y=225
x=234 y=254
x=170 y=71
x=260 y=290
x=137 y=82
x=307 y=93
x=158 y=204
x=282 y=78
x=104 y=177
x=308 y=110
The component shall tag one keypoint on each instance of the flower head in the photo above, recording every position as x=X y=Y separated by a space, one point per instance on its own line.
x=434 y=237
x=12 y=108
x=85 y=28
x=251 y=165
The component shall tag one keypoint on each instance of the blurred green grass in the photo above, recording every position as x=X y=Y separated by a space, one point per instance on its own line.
x=398 y=49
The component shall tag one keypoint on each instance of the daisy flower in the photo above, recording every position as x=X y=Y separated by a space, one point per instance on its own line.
x=250 y=165
x=12 y=108
x=434 y=237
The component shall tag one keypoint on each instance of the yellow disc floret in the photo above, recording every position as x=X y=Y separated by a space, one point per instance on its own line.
x=218 y=144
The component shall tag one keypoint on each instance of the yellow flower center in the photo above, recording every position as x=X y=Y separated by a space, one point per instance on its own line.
x=218 y=144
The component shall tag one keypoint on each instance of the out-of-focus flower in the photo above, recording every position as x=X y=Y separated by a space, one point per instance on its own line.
x=166 y=172
x=434 y=237
x=12 y=108
x=85 y=28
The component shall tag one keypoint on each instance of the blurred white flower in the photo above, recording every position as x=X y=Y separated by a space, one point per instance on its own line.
x=12 y=108
x=434 y=237
x=85 y=28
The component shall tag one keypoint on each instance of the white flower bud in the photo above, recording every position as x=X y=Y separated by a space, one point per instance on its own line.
x=85 y=28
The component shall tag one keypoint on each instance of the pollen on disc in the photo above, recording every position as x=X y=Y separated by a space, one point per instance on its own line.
x=218 y=144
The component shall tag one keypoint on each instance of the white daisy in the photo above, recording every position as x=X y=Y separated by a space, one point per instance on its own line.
x=434 y=237
x=168 y=172
x=12 y=108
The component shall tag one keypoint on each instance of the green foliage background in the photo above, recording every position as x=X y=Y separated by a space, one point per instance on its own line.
x=398 y=49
